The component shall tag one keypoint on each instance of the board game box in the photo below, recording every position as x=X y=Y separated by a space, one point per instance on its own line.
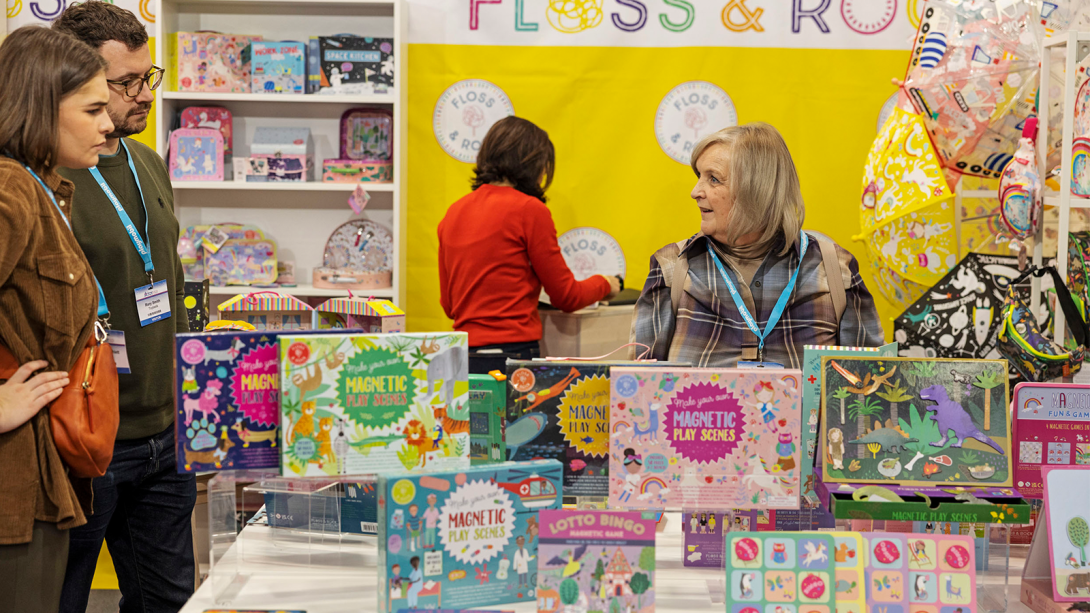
x=355 y=404
x=790 y=570
x=462 y=538
x=1051 y=428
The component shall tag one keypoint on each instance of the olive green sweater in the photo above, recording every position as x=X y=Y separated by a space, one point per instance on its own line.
x=146 y=395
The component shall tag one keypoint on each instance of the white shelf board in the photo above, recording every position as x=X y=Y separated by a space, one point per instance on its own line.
x=291 y=186
x=1077 y=202
x=1059 y=39
x=301 y=291
x=280 y=98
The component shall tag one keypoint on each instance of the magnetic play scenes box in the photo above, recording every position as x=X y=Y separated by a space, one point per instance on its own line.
x=596 y=561
x=462 y=538
x=788 y=571
x=690 y=439
x=227 y=413
x=356 y=404
x=931 y=421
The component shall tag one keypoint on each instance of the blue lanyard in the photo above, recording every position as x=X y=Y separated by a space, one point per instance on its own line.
x=130 y=228
x=103 y=311
x=777 y=311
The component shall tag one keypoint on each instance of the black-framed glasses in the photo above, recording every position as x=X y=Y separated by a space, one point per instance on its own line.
x=132 y=87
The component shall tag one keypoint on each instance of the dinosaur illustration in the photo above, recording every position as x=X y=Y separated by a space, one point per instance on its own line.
x=868 y=384
x=892 y=439
x=949 y=415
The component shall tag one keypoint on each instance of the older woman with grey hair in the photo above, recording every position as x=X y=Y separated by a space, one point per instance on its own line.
x=751 y=285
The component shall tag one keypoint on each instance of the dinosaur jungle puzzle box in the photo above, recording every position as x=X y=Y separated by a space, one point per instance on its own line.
x=355 y=404
x=462 y=538
x=690 y=439
x=932 y=421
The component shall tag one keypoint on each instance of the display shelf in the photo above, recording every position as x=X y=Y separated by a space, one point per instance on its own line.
x=298 y=216
x=279 y=98
x=305 y=186
x=302 y=291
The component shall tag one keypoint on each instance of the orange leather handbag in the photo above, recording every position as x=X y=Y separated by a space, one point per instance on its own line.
x=84 y=418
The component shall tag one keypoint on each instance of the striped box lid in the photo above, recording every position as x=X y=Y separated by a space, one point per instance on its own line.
x=264 y=301
x=360 y=307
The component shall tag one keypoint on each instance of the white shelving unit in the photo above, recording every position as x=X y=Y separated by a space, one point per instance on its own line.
x=298 y=216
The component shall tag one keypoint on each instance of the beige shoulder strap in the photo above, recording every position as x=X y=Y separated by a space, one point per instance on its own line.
x=835 y=276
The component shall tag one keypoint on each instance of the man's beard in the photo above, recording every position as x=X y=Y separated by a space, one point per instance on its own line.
x=128 y=125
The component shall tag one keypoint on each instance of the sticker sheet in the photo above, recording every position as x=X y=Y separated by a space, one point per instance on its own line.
x=1051 y=428
x=942 y=573
x=703 y=537
x=596 y=561
x=1067 y=511
x=357 y=404
x=227 y=401
x=916 y=421
x=886 y=572
x=704 y=438
x=811 y=401
x=788 y=571
x=850 y=584
x=462 y=539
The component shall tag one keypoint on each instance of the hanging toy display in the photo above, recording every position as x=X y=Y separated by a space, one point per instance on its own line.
x=1020 y=190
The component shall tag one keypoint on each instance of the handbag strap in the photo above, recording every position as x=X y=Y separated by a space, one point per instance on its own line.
x=1075 y=322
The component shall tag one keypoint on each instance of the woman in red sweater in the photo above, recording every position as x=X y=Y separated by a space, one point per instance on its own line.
x=497 y=249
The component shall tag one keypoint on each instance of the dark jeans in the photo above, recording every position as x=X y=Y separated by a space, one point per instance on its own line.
x=486 y=358
x=142 y=507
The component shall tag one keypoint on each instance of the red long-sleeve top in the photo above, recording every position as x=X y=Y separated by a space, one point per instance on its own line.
x=497 y=248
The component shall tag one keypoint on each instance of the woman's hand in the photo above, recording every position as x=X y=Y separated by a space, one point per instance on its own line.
x=23 y=396
x=614 y=286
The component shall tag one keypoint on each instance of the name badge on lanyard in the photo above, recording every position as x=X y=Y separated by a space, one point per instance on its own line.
x=777 y=311
x=152 y=300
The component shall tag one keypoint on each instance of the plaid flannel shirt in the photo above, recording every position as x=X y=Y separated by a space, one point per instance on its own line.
x=708 y=330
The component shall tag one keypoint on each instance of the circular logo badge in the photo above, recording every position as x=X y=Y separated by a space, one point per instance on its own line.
x=626 y=386
x=192 y=351
x=523 y=380
x=298 y=353
x=590 y=251
x=688 y=113
x=463 y=115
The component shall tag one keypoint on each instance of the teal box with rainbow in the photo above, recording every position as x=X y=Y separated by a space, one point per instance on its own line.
x=461 y=539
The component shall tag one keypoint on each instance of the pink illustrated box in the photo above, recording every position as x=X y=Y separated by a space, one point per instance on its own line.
x=196 y=155
x=686 y=439
x=357 y=171
x=1051 y=426
x=209 y=62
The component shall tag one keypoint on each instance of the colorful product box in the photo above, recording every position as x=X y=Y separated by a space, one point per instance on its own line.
x=356 y=65
x=462 y=538
x=1067 y=490
x=942 y=573
x=269 y=311
x=209 y=62
x=196 y=304
x=561 y=410
x=289 y=152
x=374 y=316
x=850 y=586
x=278 y=67
x=357 y=171
x=790 y=570
x=704 y=438
x=196 y=154
x=811 y=401
x=1051 y=428
x=227 y=401
x=703 y=536
x=356 y=404
x=487 y=412
x=600 y=560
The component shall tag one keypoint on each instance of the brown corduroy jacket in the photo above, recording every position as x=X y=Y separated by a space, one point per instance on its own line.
x=47 y=312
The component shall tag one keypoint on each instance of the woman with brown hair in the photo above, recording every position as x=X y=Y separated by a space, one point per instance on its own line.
x=53 y=97
x=497 y=249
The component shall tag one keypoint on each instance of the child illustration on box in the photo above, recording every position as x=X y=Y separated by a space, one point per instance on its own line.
x=703 y=523
x=416 y=581
x=397 y=582
x=711 y=523
x=633 y=465
x=786 y=447
x=764 y=393
x=522 y=561
x=692 y=523
x=413 y=528
x=431 y=523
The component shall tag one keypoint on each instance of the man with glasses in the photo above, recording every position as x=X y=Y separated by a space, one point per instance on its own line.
x=123 y=217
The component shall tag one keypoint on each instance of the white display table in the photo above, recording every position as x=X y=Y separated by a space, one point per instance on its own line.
x=684 y=590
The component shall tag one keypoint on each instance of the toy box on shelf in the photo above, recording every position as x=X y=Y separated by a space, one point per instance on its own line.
x=356 y=404
x=196 y=155
x=366 y=148
x=209 y=62
x=367 y=314
x=704 y=438
x=212 y=118
x=270 y=311
x=289 y=152
x=1051 y=428
x=278 y=67
x=193 y=253
x=487 y=418
x=356 y=65
x=462 y=538
x=196 y=304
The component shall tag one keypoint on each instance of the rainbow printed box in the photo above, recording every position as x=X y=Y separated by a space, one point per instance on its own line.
x=359 y=404
x=462 y=538
x=270 y=311
x=209 y=62
x=375 y=316
x=690 y=439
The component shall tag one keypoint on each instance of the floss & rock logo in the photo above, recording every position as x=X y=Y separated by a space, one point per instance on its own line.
x=688 y=113
x=464 y=114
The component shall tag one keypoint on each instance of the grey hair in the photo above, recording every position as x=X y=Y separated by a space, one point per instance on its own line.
x=762 y=179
